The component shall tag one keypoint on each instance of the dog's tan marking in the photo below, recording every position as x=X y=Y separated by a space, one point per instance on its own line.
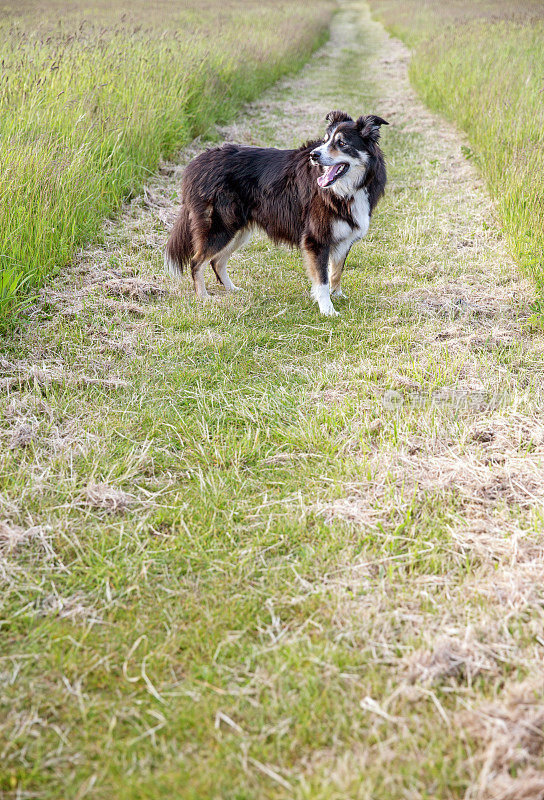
x=336 y=267
x=197 y=271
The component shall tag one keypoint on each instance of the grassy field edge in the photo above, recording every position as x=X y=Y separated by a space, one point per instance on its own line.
x=82 y=126
x=481 y=65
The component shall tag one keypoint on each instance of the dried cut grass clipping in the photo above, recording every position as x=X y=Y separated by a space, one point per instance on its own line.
x=512 y=736
x=449 y=658
x=74 y=608
x=29 y=375
x=353 y=509
x=108 y=498
x=529 y=785
x=11 y=536
x=23 y=436
x=133 y=288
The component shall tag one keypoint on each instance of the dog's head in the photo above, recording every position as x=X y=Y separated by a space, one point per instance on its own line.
x=345 y=152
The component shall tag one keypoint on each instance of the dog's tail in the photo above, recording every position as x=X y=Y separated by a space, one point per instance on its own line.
x=179 y=248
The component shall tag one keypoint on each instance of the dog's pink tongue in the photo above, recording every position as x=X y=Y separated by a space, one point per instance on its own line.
x=328 y=176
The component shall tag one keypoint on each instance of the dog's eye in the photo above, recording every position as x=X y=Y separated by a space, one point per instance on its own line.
x=340 y=143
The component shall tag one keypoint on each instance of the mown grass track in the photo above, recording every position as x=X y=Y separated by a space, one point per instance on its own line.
x=249 y=552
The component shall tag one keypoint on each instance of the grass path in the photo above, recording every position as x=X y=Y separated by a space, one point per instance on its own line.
x=248 y=552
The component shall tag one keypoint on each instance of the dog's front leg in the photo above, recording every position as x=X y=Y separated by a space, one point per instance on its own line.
x=336 y=267
x=316 y=260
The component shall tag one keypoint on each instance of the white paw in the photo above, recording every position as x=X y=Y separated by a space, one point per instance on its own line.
x=338 y=293
x=328 y=310
x=321 y=295
x=234 y=288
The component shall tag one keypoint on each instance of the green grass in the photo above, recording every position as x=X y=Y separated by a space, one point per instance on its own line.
x=236 y=611
x=482 y=65
x=92 y=95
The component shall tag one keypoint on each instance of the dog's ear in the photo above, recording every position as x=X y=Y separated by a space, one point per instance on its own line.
x=369 y=126
x=334 y=117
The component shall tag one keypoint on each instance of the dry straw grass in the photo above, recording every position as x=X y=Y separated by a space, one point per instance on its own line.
x=511 y=734
x=102 y=496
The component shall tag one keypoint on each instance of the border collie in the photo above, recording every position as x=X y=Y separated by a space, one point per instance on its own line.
x=319 y=198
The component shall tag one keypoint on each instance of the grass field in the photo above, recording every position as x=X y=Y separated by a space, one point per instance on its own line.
x=248 y=552
x=482 y=64
x=92 y=94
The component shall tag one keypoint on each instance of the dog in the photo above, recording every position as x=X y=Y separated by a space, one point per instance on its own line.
x=319 y=198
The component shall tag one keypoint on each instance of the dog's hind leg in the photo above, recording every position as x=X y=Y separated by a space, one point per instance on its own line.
x=316 y=258
x=219 y=261
x=211 y=242
x=198 y=265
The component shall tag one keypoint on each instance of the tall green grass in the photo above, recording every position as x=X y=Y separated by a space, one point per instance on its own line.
x=91 y=96
x=481 y=62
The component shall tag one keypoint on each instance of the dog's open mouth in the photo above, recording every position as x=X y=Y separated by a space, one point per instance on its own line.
x=332 y=174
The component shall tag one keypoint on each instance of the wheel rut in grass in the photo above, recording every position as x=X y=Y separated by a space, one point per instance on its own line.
x=317 y=543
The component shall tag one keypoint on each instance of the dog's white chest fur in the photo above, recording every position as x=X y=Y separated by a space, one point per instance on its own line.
x=344 y=235
x=360 y=211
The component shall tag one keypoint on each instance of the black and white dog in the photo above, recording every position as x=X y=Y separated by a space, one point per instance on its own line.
x=319 y=198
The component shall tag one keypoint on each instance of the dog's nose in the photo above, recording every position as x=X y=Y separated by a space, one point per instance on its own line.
x=315 y=156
